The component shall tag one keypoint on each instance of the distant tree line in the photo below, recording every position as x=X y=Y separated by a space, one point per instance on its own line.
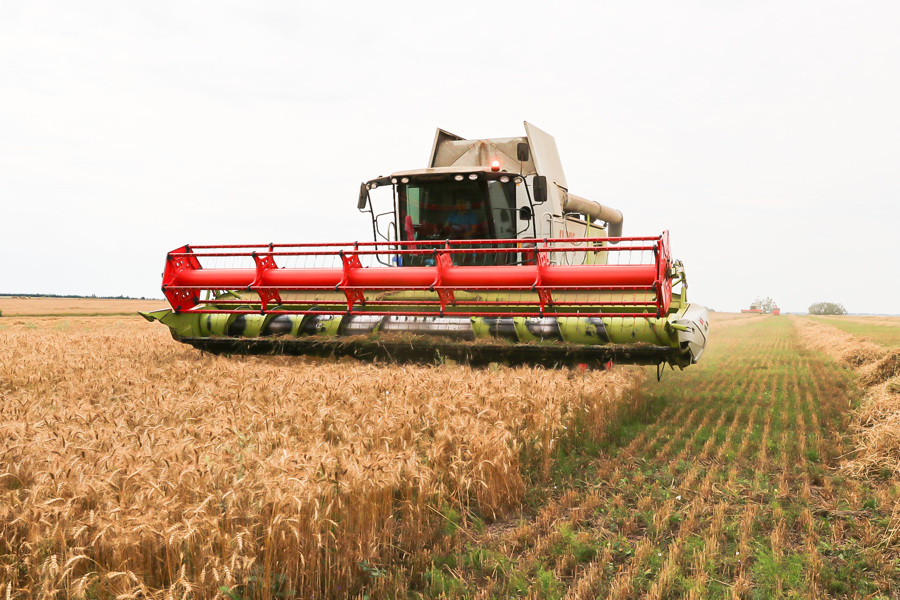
x=827 y=308
x=72 y=296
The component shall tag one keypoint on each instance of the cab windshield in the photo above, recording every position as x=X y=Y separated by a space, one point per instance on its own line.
x=444 y=208
x=457 y=210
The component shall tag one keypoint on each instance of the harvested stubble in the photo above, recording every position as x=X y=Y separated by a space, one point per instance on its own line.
x=717 y=317
x=881 y=330
x=878 y=417
x=726 y=320
x=133 y=465
x=722 y=488
x=880 y=321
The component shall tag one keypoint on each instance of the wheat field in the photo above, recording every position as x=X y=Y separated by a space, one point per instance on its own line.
x=133 y=466
x=31 y=306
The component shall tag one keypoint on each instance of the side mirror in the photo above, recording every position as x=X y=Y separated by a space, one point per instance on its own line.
x=522 y=151
x=525 y=213
x=363 y=197
x=539 y=184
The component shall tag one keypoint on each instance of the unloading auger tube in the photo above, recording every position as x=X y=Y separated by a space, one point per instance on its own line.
x=513 y=301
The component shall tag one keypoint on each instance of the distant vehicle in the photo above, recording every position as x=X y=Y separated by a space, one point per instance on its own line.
x=763 y=307
x=755 y=307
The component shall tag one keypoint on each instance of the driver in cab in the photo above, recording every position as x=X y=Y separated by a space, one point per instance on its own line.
x=464 y=222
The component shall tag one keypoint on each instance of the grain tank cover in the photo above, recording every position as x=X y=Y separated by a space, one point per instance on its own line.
x=540 y=154
x=450 y=150
x=532 y=154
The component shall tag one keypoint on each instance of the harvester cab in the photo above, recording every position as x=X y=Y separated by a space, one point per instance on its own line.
x=507 y=188
x=483 y=256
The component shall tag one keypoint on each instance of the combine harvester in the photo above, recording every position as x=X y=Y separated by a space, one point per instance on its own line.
x=483 y=256
x=762 y=307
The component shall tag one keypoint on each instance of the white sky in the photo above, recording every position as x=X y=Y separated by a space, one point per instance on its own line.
x=764 y=135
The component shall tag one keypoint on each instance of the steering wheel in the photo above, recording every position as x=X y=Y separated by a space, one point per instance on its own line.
x=421 y=231
x=449 y=230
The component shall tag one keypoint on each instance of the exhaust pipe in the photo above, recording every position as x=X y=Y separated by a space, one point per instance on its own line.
x=595 y=210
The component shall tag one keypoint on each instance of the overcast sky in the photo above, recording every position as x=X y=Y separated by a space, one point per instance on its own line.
x=764 y=135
